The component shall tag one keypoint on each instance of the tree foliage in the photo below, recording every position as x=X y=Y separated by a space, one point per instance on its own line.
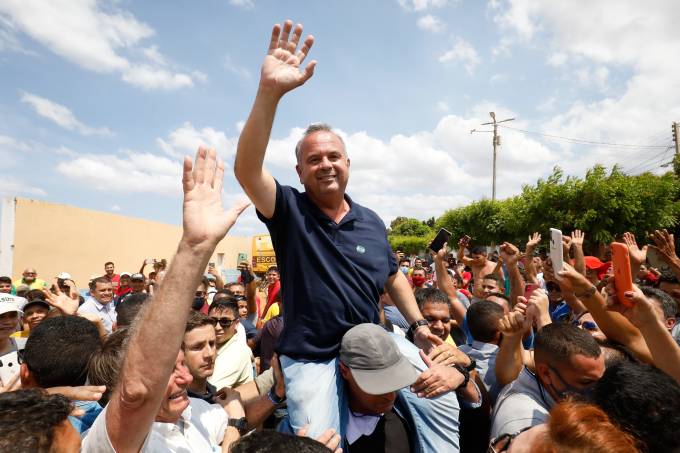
x=411 y=245
x=402 y=226
x=605 y=205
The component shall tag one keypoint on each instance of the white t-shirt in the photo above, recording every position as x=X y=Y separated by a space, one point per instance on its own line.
x=200 y=429
x=9 y=362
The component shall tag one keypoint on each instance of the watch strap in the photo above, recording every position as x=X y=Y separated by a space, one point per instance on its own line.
x=241 y=424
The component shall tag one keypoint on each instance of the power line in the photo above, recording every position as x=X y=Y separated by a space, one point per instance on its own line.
x=646 y=161
x=583 y=141
x=652 y=163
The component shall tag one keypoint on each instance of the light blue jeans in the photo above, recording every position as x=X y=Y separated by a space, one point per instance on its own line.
x=315 y=395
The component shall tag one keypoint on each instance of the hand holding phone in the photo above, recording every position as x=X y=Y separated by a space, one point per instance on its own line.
x=556 y=250
x=623 y=278
x=438 y=242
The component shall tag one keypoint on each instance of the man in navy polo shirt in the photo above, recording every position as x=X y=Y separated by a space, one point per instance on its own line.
x=333 y=255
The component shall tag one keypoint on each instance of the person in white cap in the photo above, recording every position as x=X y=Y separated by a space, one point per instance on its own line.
x=10 y=311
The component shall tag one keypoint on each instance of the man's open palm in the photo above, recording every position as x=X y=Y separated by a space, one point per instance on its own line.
x=205 y=220
x=281 y=68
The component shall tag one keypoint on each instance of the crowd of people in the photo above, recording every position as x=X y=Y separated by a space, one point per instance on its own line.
x=351 y=346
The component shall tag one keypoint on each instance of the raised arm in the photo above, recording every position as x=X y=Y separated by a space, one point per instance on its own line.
x=248 y=280
x=510 y=255
x=577 y=237
x=529 y=266
x=280 y=73
x=463 y=243
x=156 y=339
x=665 y=245
x=445 y=284
x=509 y=360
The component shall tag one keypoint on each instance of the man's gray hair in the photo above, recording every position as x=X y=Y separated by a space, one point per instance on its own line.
x=311 y=129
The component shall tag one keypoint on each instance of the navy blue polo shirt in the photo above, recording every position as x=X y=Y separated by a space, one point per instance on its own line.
x=332 y=274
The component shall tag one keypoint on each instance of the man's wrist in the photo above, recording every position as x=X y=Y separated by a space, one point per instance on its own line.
x=586 y=293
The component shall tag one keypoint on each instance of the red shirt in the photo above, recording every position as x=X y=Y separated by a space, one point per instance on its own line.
x=115 y=280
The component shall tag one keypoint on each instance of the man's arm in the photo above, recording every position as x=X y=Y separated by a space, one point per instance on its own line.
x=445 y=284
x=529 y=266
x=401 y=294
x=665 y=245
x=460 y=255
x=248 y=280
x=511 y=256
x=151 y=356
x=577 y=237
x=280 y=74
x=509 y=360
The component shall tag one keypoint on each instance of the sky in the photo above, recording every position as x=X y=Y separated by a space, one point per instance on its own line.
x=101 y=99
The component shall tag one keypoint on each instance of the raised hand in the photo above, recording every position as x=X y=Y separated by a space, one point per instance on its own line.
x=281 y=68
x=441 y=254
x=464 y=242
x=509 y=253
x=577 y=237
x=448 y=354
x=514 y=324
x=665 y=245
x=637 y=255
x=68 y=305
x=571 y=280
x=533 y=241
x=641 y=310
x=205 y=221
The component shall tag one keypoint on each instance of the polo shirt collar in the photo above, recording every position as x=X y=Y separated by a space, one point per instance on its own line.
x=484 y=347
x=353 y=214
x=98 y=305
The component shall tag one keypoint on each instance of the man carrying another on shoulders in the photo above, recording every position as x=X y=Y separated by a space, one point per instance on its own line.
x=336 y=283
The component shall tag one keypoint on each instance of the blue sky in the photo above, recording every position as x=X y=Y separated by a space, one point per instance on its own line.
x=101 y=99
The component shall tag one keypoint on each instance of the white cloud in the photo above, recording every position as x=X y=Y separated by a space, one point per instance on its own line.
x=115 y=208
x=636 y=38
x=431 y=23
x=235 y=68
x=548 y=105
x=422 y=5
x=60 y=115
x=186 y=139
x=130 y=172
x=245 y=4
x=464 y=53
x=12 y=186
x=443 y=107
x=94 y=35
x=10 y=143
x=498 y=78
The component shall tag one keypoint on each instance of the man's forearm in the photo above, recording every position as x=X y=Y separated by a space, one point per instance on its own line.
x=153 y=348
x=445 y=284
x=516 y=283
x=258 y=410
x=665 y=351
x=580 y=260
x=254 y=138
x=509 y=359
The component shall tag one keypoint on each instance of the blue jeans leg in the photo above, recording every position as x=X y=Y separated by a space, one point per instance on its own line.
x=315 y=395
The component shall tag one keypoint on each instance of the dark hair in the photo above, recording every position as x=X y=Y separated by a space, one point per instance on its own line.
x=273 y=268
x=614 y=352
x=224 y=305
x=643 y=401
x=667 y=304
x=128 y=309
x=5 y=279
x=478 y=250
x=197 y=319
x=28 y=418
x=58 y=350
x=482 y=320
x=405 y=260
x=432 y=296
x=34 y=294
x=102 y=280
x=108 y=262
x=501 y=295
x=105 y=364
x=557 y=342
x=267 y=440
x=549 y=286
x=224 y=292
x=493 y=277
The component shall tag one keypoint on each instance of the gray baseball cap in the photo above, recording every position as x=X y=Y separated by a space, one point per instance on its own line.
x=374 y=360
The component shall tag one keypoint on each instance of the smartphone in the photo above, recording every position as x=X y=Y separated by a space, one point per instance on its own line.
x=623 y=277
x=211 y=264
x=556 y=251
x=149 y=261
x=529 y=289
x=438 y=242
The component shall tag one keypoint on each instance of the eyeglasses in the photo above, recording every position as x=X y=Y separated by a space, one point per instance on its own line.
x=20 y=356
x=200 y=293
x=502 y=442
x=224 y=322
x=587 y=325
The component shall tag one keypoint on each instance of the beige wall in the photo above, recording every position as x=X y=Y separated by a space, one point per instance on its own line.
x=55 y=238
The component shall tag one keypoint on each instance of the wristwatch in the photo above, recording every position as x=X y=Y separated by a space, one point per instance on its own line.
x=413 y=327
x=241 y=424
x=466 y=375
x=274 y=398
x=473 y=364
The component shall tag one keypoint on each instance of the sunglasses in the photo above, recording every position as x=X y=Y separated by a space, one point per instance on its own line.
x=586 y=325
x=224 y=322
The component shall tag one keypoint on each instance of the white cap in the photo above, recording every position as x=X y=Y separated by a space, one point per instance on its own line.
x=10 y=303
x=64 y=276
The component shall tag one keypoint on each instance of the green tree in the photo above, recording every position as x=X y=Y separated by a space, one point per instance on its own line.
x=410 y=227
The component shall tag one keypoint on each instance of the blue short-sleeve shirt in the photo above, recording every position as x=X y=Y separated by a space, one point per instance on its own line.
x=332 y=274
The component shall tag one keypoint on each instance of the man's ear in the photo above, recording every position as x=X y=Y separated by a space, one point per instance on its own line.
x=670 y=323
x=543 y=373
x=27 y=379
x=299 y=172
x=344 y=371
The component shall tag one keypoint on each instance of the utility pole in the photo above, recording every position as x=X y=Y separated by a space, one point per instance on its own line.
x=676 y=137
x=496 y=144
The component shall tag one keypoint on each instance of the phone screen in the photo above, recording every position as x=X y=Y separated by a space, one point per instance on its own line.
x=438 y=242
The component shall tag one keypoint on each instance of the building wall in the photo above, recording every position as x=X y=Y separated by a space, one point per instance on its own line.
x=55 y=238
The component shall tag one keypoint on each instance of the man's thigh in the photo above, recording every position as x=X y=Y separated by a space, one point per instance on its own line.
x=315 y=395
